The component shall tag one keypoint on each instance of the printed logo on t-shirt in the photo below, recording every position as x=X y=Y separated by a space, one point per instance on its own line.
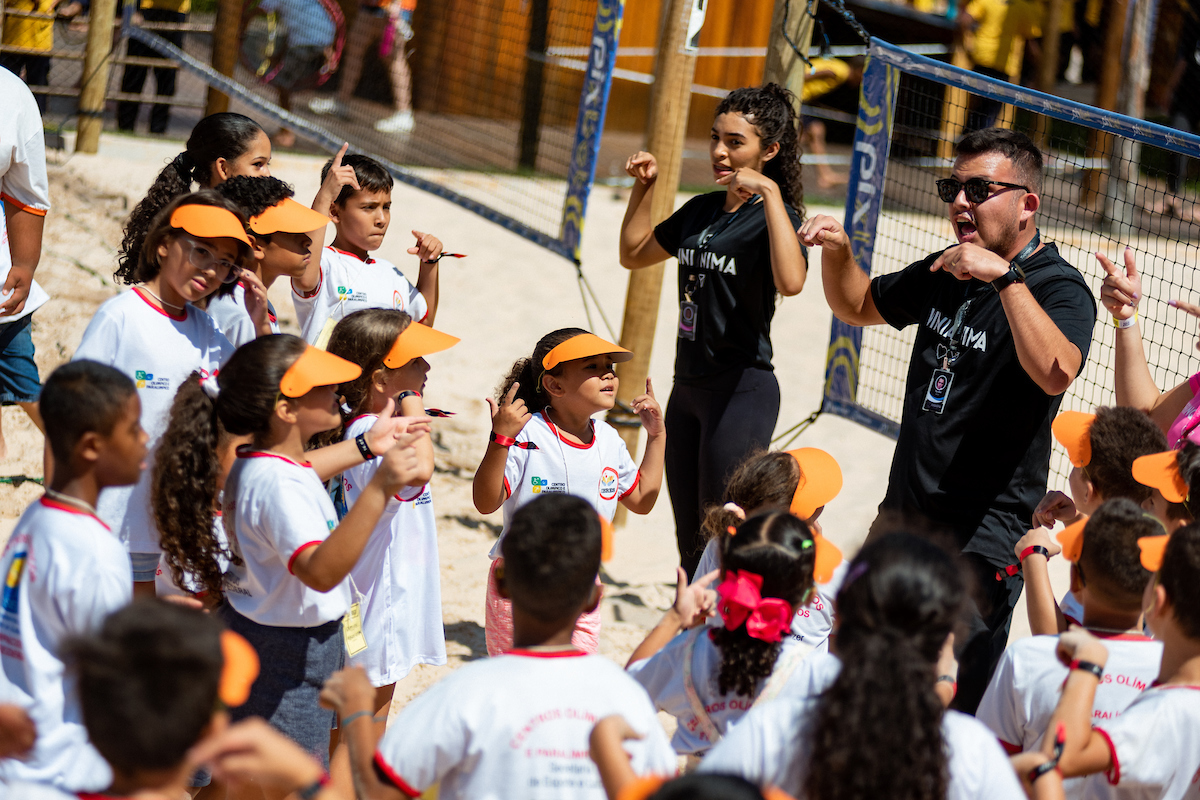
x=707 y=260
x=608 y=484
x=330 y=524
x=397 y=300
x=970 y=337
x=540 y=485
x=146 y=380
x=12 y=583
x=347 y=293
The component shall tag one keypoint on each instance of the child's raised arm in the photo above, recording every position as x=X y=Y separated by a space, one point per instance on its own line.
x=337 y=177
x=384 y=434
x=1085 y=751
x=1045 y=618
x=694 y=603
x=508 y=419
x=429 y=249
x=606 y=747
x=641 y=500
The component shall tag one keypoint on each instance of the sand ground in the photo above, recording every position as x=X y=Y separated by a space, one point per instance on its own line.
x=500 y=300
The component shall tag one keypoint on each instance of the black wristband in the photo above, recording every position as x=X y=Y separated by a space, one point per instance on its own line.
x=1088 y=666
x=406 y=393
x=1037 y=548
x=1042 y=769
x=363 y=447
x=314 y=788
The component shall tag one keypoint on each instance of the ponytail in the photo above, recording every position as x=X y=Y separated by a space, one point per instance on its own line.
x=778 y=548
x=528 y=371
x=763 y=480
x=226 y=135
x=771 y=109
x=899 y=602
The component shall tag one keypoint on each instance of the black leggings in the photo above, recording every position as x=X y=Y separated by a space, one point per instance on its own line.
x=709 y=431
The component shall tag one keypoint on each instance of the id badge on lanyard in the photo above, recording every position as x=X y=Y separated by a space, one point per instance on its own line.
x=688 y=310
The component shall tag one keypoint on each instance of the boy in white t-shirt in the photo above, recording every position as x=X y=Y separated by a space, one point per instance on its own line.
x=64 y=570
x=282 y=231
x=356 y=193
x=1101 y=448
x=515 y=725
x=1153 y=749
x=1109 y=580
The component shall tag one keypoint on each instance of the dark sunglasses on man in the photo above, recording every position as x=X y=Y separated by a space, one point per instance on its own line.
x=977 y=189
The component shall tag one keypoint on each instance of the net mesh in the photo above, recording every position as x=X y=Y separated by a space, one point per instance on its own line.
x=1101 y=192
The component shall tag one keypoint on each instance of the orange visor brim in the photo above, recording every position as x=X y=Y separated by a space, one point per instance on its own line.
x=585 y=345
x=1072 y=429
x=209 y=222
x=1161 y=471
x=417 y=340
x=820 y=481
x=1071 y=539
x=239 y=671
x=1153 y=549
x=288 y=216
x=316 y=368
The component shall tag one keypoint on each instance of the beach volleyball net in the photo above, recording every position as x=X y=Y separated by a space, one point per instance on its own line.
x=495 y=105
x=1108 y=184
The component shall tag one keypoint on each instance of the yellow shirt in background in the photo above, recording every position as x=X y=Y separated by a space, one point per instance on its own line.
x=815 y=87
x=179 y=6
x=36 y=34
x=1000 y=32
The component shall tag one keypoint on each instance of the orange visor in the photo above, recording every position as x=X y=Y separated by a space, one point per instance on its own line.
x=239 y=671
x=1071 y=539
x=1073 y=431
x=209 y=222
x=828 y=556
x=585 y=345
x=1161 y=471
x=417 y=340
x=288 y=216
x=820 y=481
x=316 y=368
x=606 y=539
x=1153 y=548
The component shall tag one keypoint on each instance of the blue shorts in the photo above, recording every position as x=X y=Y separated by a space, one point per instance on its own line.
x=18 y=373
x=145 y=566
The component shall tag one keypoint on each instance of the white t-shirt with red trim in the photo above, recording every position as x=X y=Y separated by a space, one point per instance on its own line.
x=813 y=622
x=662 y=677
x=348 y=284
x=280 y=508
x=602 y=472
x=158 y=352
x=23 y=179
x=64 y=572
x=517 y=726
x=230 y=314
x=1071 y=608
x=1155 y=748
x=398 y=577
x=1027 y=684
x=770 y=746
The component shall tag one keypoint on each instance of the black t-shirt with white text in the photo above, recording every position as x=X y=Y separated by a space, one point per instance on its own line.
x=729 y=279
x=981 y=466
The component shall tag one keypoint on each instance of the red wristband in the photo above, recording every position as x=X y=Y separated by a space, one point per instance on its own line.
x=503 y=441
x=1087 y=666
x=1037 y=548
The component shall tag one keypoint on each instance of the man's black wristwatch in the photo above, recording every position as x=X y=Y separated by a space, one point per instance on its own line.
x=1014 y=275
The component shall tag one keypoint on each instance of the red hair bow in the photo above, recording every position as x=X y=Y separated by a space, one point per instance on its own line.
x=741 y=601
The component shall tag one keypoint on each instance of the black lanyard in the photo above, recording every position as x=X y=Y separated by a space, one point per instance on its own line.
x=708 y=234
x=949 y=353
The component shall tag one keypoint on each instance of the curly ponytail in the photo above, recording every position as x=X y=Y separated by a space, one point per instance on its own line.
x=778 y=547
x=771 y=109
x=528 y=371
x=900 y=600
x=226 y=135
x=764 y=480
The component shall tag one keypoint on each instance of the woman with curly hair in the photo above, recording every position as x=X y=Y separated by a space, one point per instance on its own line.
x=708 y=678
x=220 y=147
x=880 y=728
x=737 y=250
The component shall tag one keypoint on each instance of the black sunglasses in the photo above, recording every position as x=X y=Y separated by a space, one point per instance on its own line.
x=977 y=189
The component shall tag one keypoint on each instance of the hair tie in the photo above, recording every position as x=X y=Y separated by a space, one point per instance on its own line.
x=209 y=385
x=741 y=601
x=184 y=165
x=731 y=530
x=736 y=510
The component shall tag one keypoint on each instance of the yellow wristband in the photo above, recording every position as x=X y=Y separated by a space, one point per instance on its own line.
x=1126 y=323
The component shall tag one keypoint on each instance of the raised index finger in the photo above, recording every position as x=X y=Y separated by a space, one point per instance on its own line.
x=1131 y=271
x=1188 y=308
x=508 y=398
x=337 y=160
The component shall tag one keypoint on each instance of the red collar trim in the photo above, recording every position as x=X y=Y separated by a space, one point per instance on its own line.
x=367 y=260
x=517 y=651
x=162 y=311
x=49 y=502
x=1120 y=637
x=591 y=427
x=1164 y=686
x=245 y=452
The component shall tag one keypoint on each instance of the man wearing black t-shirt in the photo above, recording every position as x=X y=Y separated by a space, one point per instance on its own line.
x=1004 y=327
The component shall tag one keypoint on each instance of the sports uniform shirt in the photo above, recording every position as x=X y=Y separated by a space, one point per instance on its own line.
x=280 y=509
x=229 y=312
x=769 y=748
x=23 y=180
x=517 y=726
x=731 y=283
x=662 y=677
x=398 y=578
x=348 y=284
x=813 y=621
x=602 y=472
x=1155 y=748
x=158 y=351
x=980 y=467
x=64 y=572
x=1028 y=681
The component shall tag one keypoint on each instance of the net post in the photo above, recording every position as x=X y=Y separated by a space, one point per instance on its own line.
x=1099 y=143
x=95 y=76
x=791 y=36
x=674 y=70
x=531 y=91
x=954 y=102
x=224 y=51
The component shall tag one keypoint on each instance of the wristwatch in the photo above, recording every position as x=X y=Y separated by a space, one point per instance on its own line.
x=1014 y=275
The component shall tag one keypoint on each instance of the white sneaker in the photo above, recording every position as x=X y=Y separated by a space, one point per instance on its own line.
x=326 y=105
x=400 y=122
